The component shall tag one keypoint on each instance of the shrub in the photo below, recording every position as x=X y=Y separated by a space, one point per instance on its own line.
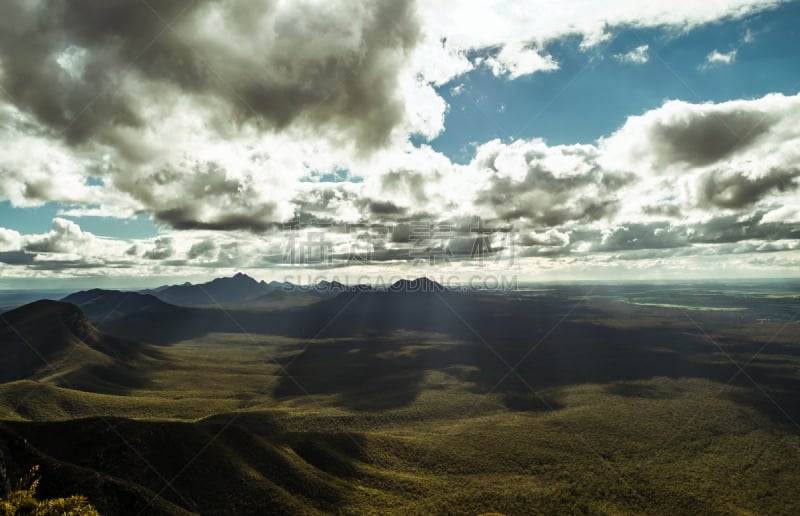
x=23 y=502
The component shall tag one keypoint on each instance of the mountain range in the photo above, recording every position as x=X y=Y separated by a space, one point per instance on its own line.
x=242 y=288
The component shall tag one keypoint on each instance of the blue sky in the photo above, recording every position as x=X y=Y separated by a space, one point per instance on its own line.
x=592 y=94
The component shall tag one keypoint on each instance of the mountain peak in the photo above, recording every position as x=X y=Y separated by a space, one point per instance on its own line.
x=232 y=289
x=46 y=316
x=417 y=285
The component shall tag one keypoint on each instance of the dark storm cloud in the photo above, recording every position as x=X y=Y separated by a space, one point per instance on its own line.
x=667 y=210
x=408 y=183
x=204 y=198
x=68 y=265
x=43 y=263
x=202 y=249
x=385 y=208
x=748 y=231
x=401 y=233
x=737 y=228
x=724 y=189
x=193 y=217
x=37 y=83
x=659 y=235
x=16 y=258
x=549 y=202
x=257 y=57
x=728 y=234
x=702 y=138
x=162 y=250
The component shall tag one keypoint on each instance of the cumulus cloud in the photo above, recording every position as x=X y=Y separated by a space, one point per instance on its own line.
x=34 y=169
x=65 y=237
x=715 y=57
x=515 y=29
x=208 y=115
x=218 y=119
x=545 y=185
x=202 y=249
x=516 y=60
x=638 y=55
x=255 y=57
x=694 y=158
x=162 y=249
x=699 y=134
x=10 y=240
x=642 y=236
x=737 y=189
x=549 y=238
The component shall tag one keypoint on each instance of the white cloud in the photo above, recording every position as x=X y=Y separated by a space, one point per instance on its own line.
x=10 y=240
x=501 y=24
x=226 y=138
x=638 y=55
x=66 y=237
x=715 y=57
x=516 y=60
x=230 y=150
x=35 y=169
x=692 y=159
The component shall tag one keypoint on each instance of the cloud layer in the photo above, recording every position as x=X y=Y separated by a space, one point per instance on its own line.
x=227 y=122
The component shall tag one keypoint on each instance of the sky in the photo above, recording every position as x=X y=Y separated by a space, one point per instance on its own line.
x=147 y=142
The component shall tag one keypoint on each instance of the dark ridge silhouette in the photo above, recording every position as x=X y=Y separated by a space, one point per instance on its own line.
x=51 y=340
x=238 y=288
x=100 y=305
x=416 y=286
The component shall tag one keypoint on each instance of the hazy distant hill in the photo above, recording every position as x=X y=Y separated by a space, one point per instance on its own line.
x=54 y=341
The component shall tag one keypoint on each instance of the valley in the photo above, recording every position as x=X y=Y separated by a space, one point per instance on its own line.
x=407 y=401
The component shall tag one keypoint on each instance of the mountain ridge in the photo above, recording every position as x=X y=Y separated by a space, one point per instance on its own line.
x=55 y=342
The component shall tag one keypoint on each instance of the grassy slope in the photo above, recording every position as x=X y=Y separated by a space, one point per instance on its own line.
x=660 y=444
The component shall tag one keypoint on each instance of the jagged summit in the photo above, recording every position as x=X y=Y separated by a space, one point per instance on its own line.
x=239 y=287
x=239 y=277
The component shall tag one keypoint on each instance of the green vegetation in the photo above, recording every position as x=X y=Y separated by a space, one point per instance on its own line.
x=23 y=501
x=623 y=409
